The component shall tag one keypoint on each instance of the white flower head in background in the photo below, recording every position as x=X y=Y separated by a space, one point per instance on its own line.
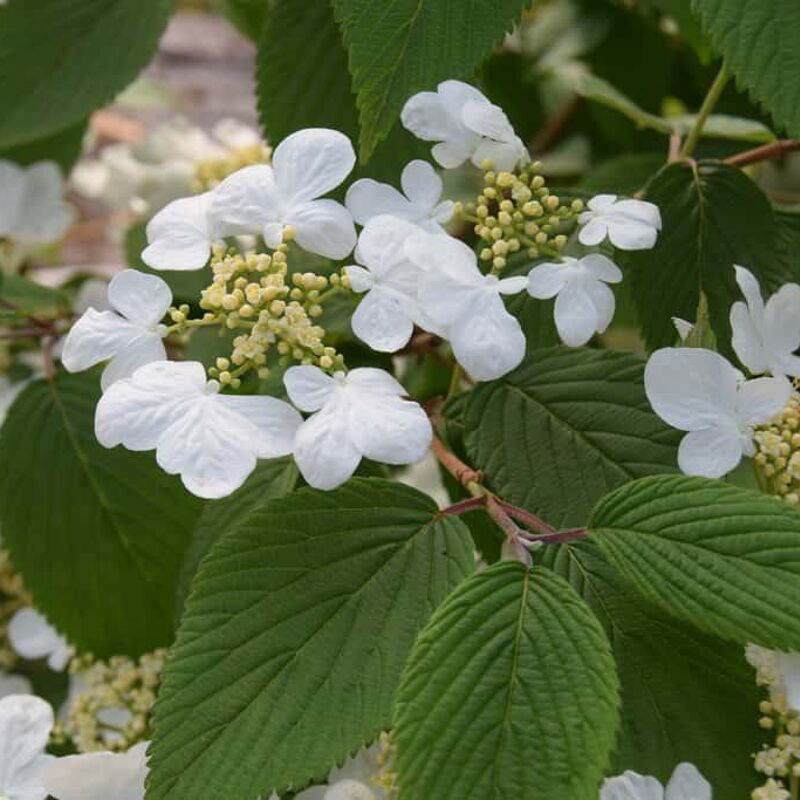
x=33 y=637
x=354 y=415
x=211 y=440
x=266 y=200
x=465 y=125
x=25 y=725
x=778 y=670
x=98 y=776
x=419 y=203
x=699 y=391
x=765 y=336
x=389 y=280
x=628 y=224
x=468 y=307
x=130 y=335
x=686 y=783
x=32 y=206
x=584 y=303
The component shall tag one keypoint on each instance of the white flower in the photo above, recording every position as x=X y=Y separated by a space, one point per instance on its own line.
x=385 y=317
x=686 y=783
x=766 y=336
x=212 y=440
x=465 y=125
x=360 y=414
x=266 y=200
x=32 y=207
x=130 y=335
x=699 y=391
x=98 y=776
x=778 y=670
x=584 y=304
x=14 y=684
x=420 y=203
x=33 y=637
x=629 y=224
x=468 y=307
x=25 y=725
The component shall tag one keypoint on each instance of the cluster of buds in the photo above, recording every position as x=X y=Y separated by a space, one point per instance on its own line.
x=516 y=210
x=112 y=709
x=210 y=172
x=12 y=597
x=386 y=778
x=777 y=458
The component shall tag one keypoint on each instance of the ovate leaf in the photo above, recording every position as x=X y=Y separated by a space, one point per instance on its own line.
x=63 y=147
x=510 y=691
x=787 y=242
x=294 y=637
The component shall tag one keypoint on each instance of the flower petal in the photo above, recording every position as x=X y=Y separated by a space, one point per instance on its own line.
x=390 y=430
x=687 y=783
x=762 y=399
x=349 y=789
x=273 y=423
x=513 y=285
x=789 y=667
x=309 y=388
x=711 y=452
x=453 y=153
x=602 y=268
x=575 y=313
x=382 y=321
x=751 y=291
x=180 y=235
x=381 y=246
x=146 y=348
x=547 y=280
x=33 y=637
x=427 y=117
x=25 y=725
x=376 y=381
x=503 y=155
x=360 y=278
x=422 y=185
x=746 y=339
x=367 y=198
x=488 y=120
x=631 y=786
x=246 y=201
x=42 y=214
x=602 y=202
x=141 y=298
x=782 y=320
x=95 y=337
x=594 y=230
x=324 y=227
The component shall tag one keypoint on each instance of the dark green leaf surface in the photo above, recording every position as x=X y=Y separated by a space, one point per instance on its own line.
x=63 y=147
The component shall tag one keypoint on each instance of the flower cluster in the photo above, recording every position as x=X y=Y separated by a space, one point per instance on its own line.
x=686 y=783
x=777 y=458
x=13 y=597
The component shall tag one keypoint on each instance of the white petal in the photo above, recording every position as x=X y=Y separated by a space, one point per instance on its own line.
x=762 y=399
x=512 y=285
x=547 y=280
x=639 y=210
x=751 y=290
x=324 y=227
x=272 y=232
x=602 y=202
x=782 y=320
x=360 y=278
x=95 y=337
x=145 y=349
x=503 y=155
x=390 y=430
x=602 y=268
x=141 y=298
x=426 y=116
x=246 y=201
x=789 y=667
x=594 y=230
x=575 y=313
x=382 y=321
x=309 y=388
x=180 y=235
x=367 y=198
x=746 y=339
x=422 y=185
x=273 y=423
x=687 y=783
x=381 y=247
x=454 y=153
x=630 y=235
x=43 y=216
x=311 y=162
x=443 y=212
x=711 y=452
x=631 y=786
x=487 y=120
x=348 y=789
x=376 y=381
x=25 y=725
x=12 y=179
x=33 y=637
x=603 y=300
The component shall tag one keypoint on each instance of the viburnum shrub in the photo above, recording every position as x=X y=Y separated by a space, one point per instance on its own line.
x=466 y=466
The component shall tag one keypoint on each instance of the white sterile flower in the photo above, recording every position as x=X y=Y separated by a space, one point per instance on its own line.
x=629 y=224
x=686 y=783
x=385 y=317
x=211 y=440
x=765 y=336
x=130 y=335
x=584 y=303
x=468 y=307
x=360 y=414
x=420 y=203
x=98 y=776
x=266 y=200
x=699 y=391
x=465 y=125
x=25 y=725
x=778 y=670
x=32 y=207
x=33 y=637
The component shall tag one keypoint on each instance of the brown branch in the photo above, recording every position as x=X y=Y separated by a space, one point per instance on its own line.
x=555 y=126
x=464 y=506
x=674 y=152
x=557 y=537
x=531 y=520
x=772 y=150
x=463 y=473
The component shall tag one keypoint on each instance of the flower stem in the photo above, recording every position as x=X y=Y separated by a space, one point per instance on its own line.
x=765 y=152
x=706 y=108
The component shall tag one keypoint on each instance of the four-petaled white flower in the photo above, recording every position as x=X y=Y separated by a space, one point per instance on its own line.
x=385 y=317
x=686 y=783
x=211 y=440
x=465 y=125
x=98 y=776
x=699 y=391
x=33 y=637
x=130 y=335
x=765 y=336
x=467 y=306
x=25 y=725
x=584 y=303
x=265 y=200
x=421 y=202
x=360 y=414
x=629 y=224
x=32 y=207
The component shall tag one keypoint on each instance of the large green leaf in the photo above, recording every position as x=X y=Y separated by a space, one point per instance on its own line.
x=510 y=691
x=97 y=534
x=63 y=147
x=400 y=47
x=722 y=558
x=760 y=42
x=667 y=671
x=565 y=428
x=713 y=217
x=787 y=238
x=61 y=59
x=294 y=637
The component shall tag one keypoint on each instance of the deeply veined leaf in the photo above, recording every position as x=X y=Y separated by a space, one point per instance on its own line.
x=294 y=637
x=510 y=691
x=565 y=428
x=787 y=239
x=725 y=559
x=104 y=529
x=64 y=147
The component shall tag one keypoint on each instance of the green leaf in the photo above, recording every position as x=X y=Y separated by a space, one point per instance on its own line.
x=787 y=238
x=667 y=671
x=401 y=47
x=722 y=558
x=624 y=174
x=97 y=534
x=27 y=296
x=565 y=428
x=294 y=637
x=61 y=59
x=713 y=217
x=64 y=147
x=510 y=691
x=249 y=16
x=760 y=42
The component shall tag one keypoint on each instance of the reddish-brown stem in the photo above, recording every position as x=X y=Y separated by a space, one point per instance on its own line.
x=510 y=528
x=531 y=520
x=463 y=473
x=558 y=537
x=464 y=506
x=764 y=153
x=674 y=152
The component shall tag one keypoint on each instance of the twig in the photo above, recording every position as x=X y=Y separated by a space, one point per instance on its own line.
x=558 y=537
x=531 y=520
x=464 y=506
x=765 y=152
x=674 y=152
x=555 y=126
x=463 y=473
x=706 y=108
